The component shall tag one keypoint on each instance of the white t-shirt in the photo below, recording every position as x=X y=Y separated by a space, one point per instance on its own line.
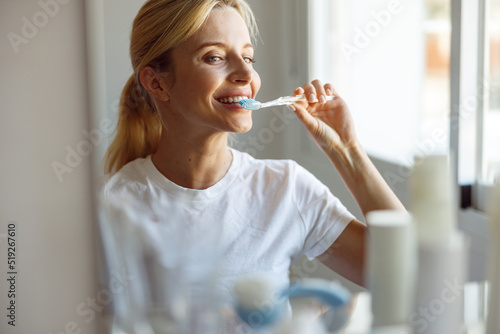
x=263 y=213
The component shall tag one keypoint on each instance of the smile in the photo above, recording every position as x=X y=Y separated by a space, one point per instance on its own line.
x=231 y=99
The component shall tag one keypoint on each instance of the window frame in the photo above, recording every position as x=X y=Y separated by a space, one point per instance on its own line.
x=478 y=190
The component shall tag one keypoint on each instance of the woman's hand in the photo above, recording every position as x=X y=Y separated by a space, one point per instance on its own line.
x=329 y=123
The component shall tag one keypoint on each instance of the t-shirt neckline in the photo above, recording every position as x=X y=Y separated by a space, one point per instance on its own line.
x=194 y=194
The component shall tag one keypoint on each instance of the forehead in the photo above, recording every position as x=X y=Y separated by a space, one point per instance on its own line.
x=223 y=25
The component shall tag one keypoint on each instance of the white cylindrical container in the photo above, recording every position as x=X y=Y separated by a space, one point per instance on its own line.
x=305 y=321
x=391 y=267
x=493 y=318
x=440 y=287
x=442 y=254
x=432 y=198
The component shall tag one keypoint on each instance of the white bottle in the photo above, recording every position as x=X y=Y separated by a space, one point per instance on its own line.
x=304 y=321
x=439 y=305
x=493 y=318
x=391 y=267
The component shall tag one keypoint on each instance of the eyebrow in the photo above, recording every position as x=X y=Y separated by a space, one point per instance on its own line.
x=220 y=44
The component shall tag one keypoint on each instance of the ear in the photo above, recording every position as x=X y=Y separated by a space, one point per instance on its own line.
x=155 y=83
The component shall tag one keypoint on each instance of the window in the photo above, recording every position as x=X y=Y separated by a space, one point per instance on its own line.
x=479 y=95
x=436 y=88
x=416 y=86
x=392 y=66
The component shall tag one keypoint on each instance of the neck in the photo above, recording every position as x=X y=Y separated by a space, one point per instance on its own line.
x=194 y=164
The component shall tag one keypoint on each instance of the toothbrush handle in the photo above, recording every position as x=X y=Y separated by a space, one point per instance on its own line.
x=289 y=100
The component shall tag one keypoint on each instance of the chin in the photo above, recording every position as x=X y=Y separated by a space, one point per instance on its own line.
x=241 y=130
x=241 y=126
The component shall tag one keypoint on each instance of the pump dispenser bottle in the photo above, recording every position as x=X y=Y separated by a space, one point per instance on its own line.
x=441 y=250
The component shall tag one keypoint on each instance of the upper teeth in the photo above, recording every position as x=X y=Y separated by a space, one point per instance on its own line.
x=232 y=99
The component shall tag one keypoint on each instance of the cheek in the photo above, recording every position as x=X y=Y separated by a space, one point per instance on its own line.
x=194 y=89
x=206 y=86
x=191 y=91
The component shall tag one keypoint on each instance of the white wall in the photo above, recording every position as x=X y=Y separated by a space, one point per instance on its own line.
x=118 y=17
x=43 y=111
x=281 y=56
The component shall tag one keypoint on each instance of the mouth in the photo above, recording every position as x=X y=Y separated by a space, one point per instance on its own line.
x=231 y=100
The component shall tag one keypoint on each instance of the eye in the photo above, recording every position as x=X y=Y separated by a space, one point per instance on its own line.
x=213 y=59
x=249 y=60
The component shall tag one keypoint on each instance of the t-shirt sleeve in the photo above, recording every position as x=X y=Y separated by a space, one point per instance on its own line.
x=323 y=215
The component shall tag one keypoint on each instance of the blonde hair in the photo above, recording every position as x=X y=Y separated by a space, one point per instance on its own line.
x=159 y=26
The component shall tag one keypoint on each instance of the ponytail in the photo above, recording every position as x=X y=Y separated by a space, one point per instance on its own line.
x=138 y=130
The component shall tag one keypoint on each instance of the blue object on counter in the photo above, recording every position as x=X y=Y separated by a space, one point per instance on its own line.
x=330 y=293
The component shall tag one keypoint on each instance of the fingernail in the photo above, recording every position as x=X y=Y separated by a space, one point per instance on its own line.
x=291 y=107
x=312 y=98
x=322 y=99
x=328 y=91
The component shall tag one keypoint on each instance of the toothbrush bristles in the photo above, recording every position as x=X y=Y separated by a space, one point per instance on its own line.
x=250 y=104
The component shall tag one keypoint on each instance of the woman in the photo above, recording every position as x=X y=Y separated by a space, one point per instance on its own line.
x=192 y=60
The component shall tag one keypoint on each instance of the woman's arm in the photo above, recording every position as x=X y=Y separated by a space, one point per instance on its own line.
x=346 y=256
x=330 y=125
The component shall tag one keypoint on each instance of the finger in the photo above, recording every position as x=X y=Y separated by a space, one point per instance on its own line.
x=310 y=93
x=298 y=91
x=330 y=90
x=320 y=91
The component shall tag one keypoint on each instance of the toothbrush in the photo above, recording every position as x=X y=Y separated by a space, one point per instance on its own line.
x=251 y=104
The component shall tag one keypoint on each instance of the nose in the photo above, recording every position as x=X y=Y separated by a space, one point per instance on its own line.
x=241 y=72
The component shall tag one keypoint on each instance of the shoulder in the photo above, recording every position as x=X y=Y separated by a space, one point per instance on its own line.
x=131 y=177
